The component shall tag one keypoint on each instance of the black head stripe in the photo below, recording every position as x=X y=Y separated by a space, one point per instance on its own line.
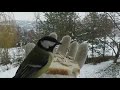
x=48 y=38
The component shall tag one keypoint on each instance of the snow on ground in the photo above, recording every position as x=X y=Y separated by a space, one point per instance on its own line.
x=9 y=73
x=102 y=70
x=9 y=70
x=87 y=71
x=92 y=71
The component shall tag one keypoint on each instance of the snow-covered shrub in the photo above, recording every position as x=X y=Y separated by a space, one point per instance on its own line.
x=63 y=48
x=96 y=60
x=72 y=50
x=81 y=54
x=18 y=61
x=4 y=57
x=54 y=35
x=28 y=47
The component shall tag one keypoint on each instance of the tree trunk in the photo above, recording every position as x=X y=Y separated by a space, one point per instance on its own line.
x=113 y=43
x=104 y=46
x=92 y=49
x=117 y=55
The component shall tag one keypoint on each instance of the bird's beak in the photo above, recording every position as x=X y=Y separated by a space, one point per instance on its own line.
x=59 y=43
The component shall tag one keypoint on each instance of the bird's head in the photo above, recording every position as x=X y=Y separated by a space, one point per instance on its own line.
x=48 y=43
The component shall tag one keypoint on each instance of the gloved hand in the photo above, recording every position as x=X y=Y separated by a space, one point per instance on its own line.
x=68 y=59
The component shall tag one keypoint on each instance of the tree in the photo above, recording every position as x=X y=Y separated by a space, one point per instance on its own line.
x=8 y=36
x=63 y=23
x=91 y=22
x=96 y=25
x=106 y=26
x=39 y=27
x=114 y=16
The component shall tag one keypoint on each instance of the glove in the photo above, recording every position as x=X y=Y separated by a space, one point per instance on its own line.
x=67 y=63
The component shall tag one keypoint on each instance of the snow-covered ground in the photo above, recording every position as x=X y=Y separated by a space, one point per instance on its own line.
x=94 y=71
x=9 y=73
x=106 y=69
x=14 y=53
x=103 y=70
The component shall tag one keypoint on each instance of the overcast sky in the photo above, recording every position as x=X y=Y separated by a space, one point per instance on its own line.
x=24 y=15
x=30 y=15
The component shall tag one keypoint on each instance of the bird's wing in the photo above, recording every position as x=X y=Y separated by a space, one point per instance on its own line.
x=31 y=65
x=28 y=71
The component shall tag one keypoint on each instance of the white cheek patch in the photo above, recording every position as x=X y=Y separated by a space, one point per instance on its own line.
x=47 y=44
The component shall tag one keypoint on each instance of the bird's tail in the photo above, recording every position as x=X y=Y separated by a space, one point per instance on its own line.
x=15 y=77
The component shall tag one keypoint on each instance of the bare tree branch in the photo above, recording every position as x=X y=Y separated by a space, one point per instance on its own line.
x=113 y=41
x=108 y=45
x=113 y=20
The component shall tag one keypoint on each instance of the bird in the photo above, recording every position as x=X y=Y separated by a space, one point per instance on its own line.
x=38 y=60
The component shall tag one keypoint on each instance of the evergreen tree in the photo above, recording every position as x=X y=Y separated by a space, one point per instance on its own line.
x=96 y=25
x=63 y=23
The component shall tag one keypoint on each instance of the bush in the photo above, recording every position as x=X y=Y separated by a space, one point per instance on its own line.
x=96 y=60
